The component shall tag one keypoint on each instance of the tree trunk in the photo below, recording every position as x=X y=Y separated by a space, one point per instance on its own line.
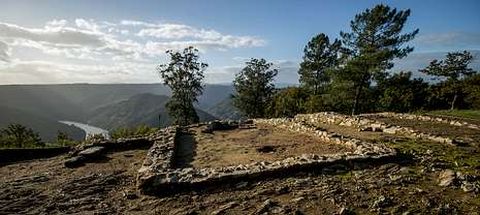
x=358 y=91
x=454 y=101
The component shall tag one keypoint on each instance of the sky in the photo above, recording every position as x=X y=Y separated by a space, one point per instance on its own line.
x=90 y=41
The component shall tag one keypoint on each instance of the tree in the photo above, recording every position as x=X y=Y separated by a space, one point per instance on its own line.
x=374 y=41
x=454 y=68
x=319 y=56
x=184 y=75
x=254 y=88
x=399 y=93
x=19 y=136
x=289 y=102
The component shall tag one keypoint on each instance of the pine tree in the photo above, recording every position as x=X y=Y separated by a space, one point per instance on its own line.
x=254 y=88
x=454 y=68
x=319 y=56
x=374 y=41
x=184 y=75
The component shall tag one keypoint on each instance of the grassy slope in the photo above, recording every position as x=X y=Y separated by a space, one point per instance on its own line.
x=469 y=114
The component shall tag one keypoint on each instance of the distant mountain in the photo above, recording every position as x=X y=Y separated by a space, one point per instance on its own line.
x=82 y=102
x=46 y=127
x=137 y=110
x=225 y=110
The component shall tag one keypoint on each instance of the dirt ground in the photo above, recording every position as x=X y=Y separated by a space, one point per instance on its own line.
x=409 y=185
x=243 y=146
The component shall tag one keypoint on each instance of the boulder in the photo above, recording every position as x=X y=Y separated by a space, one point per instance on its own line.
x=92 y=152
x=446 y=178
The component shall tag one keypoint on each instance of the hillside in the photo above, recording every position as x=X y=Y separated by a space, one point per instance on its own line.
x=301 y=165
x=225 y=110
x=46 y=127
x=137 y=110
x=98 y=104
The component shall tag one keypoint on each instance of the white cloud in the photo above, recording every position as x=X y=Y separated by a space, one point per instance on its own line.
x=4 y=52
x=85 y=50
x=447 y=41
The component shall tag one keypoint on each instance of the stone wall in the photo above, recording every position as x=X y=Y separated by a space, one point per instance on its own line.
x=158 y=176
x=450 y=121
x=366 y=124
x=13 y=155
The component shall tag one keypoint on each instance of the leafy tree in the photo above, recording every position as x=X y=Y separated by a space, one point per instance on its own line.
x=63 y=139
x=374 y=41
x=254 y=88
x=289 y=101
x=16 y=135
x=184 y=75
x=472 y=91
x=319 y=56
x=400 y=93
x=453 y=68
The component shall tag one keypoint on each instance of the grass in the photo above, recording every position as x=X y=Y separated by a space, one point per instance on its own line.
x=464 y=159
x=469 y=114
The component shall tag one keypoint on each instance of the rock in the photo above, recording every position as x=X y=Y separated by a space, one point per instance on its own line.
x=75 y=162
x=468 y=187
x=224 y=207
x=241 y=185
x=298 y=199
x=381 y=202
x=92 y=152
x=345 y=211
x=265 y=207
x=446 y=178
x=130 y=195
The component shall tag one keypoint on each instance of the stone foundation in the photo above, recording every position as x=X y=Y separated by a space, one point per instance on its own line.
x=365 y=124
x=158 y=176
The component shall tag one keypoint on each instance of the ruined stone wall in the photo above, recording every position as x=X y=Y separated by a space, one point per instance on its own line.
x=159 y=176
x=365 y=124
x=450 y=121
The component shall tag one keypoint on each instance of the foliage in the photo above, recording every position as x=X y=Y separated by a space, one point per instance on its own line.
x=184 y=75
x=64 y=140
x=400 y=93
x=319 y=56
x=141 y=130
x=254 y=88
x=453 y=68
x=19 y=136
x=288 y=102
x=374 y=41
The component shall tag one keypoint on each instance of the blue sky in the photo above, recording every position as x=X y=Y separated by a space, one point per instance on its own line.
x=121 y=41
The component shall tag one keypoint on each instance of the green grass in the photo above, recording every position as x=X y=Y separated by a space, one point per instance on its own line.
x=469 y=114
x=465 y=159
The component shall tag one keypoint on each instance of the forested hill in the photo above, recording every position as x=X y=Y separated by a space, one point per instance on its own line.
x=81 y=102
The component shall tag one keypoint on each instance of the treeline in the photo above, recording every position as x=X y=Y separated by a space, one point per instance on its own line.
x=349 y=74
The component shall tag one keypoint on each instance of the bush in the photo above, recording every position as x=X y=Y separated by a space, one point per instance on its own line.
x=141 y=130
x=19 y=136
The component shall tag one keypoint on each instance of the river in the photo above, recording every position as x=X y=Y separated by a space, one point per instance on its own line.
x=89 y=129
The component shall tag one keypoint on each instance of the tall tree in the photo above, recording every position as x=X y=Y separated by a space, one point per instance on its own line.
x=184 y=75
x=319 y=56
x=454 y=68
x=254 y=87
x=374 y=41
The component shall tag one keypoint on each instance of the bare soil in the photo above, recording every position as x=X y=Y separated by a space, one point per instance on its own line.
x=243 y=146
